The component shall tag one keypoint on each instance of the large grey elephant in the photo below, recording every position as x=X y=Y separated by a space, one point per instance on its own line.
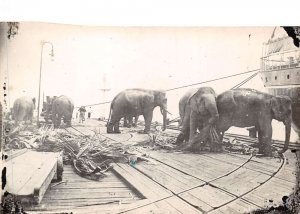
x=249 y=107
x=23 y=109
x=197 y=109
x=62 y=107
x=132 y=102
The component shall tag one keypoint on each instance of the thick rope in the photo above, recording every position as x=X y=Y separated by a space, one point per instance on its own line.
x=244 y=81
x=199 y=83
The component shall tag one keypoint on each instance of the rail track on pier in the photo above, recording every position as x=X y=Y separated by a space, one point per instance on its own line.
x=183 y=182
x=247 y=139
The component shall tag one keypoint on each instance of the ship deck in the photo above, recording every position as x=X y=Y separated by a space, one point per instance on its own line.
x=174 y=182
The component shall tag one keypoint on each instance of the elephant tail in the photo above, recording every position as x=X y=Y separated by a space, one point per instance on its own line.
x=109 y=114
x=111 y=107
x=182 y=109
x=17 y=112
x=71 y=109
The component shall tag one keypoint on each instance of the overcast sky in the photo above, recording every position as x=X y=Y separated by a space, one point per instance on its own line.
x=89 y=59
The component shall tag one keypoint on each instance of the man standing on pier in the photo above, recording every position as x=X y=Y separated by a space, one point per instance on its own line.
x=82 y=111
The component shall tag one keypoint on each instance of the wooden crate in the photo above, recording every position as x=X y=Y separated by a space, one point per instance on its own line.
x=29 y=173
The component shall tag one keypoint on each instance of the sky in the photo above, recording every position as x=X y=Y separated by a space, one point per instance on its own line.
x=89 y=59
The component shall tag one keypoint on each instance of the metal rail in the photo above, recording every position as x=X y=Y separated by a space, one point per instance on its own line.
x=237 y=197
x=247 y=139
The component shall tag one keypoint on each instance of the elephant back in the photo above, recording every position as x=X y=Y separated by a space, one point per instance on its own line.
x=243 y=92
x=120 y=94
x=138 y=98
x=23 y=108
x=184 y=100
x=62 y=105
x=201 y=91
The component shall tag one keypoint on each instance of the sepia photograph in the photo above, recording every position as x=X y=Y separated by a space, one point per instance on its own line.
x=141 y=119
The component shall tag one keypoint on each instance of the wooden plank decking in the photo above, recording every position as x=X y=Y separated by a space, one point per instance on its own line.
x=76 y=191
x=176 y=182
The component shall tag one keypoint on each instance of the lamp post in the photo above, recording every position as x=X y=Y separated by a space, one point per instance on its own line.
x=41 y=64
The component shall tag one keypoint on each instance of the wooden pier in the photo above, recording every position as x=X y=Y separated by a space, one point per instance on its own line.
x=174 y=182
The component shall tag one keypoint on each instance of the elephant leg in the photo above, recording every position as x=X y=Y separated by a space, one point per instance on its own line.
x=265 y=137
x=30 y=116
x=180 y=138
x=187 y=134
x=192 y=131
x=185 y=129
x=125 y=122
x=113 y=125
x=53 y=118
x=55 y=123
x=259 y=135
x=183 y=136
x=129 y=122
x=135 y=121
x=58 y=120
x=110 y=128
x=260 y=141
x=193 y=125
x=68 y=121
x=148 y=119
x=117 y=128
x=223 y=125
x=264 y=144
x=221 y=135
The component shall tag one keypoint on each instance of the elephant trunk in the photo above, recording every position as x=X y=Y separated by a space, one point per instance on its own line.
x=163 y=111
x=287 y=124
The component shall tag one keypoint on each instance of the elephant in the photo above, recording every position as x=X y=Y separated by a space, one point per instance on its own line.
x=128 y=121
x=198 y=110
x=62 y=107
x=23 y=109
x=248 y=107
x=132 y=102
x=47 y=108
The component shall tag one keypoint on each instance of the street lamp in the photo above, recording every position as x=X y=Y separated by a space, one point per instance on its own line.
x=41 y=63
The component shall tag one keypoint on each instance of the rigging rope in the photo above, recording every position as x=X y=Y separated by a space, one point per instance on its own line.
x=213 y=80
x=199 y=83
x=244 y=81
x=96 y=104
x=234 y=87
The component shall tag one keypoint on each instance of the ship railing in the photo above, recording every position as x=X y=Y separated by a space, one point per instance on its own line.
x=281 y=52
x=281 y=60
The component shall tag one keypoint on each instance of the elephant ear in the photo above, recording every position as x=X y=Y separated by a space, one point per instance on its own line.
x=201 y=91
x=192 y=95
x=281 y=105
x=146 y=100
x=191 y=101
x=275 y=105
x=195 y=101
